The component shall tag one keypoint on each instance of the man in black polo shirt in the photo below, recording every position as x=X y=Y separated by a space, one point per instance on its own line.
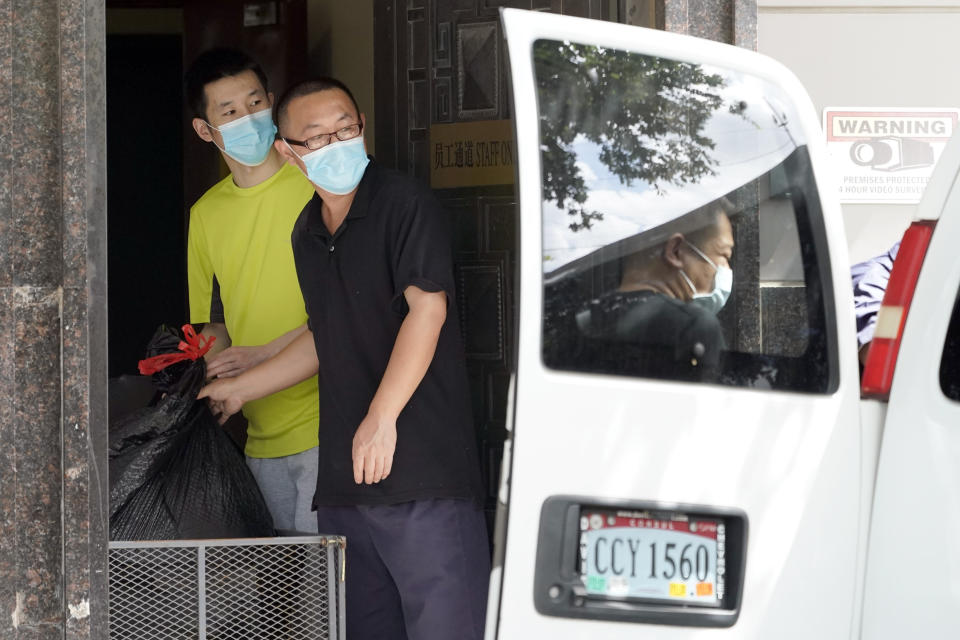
x=398 y=472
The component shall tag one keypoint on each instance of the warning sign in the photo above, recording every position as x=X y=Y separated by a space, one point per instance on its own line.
x=886 y=155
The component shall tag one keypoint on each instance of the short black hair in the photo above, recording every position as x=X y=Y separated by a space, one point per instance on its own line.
x=306 y=88
x=707 y=219
x=212 y=65
x=697 y=226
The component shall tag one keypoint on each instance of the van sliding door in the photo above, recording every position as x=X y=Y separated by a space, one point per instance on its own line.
x=679 y=468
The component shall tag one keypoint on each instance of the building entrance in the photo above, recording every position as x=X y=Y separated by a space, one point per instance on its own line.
x=431 y=77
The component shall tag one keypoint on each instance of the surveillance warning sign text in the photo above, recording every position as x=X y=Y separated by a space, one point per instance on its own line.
x=886 y=155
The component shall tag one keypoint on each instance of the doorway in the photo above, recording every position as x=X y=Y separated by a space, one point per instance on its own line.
x=416 y=66
x=157 y=168
x=145 y=227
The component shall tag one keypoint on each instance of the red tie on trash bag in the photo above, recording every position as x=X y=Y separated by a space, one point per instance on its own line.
x=191 y=347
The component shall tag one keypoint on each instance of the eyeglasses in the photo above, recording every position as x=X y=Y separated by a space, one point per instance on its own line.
x=320 y=141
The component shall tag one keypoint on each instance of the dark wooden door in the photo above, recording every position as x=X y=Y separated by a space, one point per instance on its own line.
x=274 y=32
x=443 y=62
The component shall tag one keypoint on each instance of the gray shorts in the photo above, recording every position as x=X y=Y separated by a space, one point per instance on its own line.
x=287 y=485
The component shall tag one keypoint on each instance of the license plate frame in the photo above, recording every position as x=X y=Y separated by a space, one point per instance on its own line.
x=560 y=588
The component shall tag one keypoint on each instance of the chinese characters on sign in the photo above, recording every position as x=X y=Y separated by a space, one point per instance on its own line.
x=886 y=155
x=471 y=154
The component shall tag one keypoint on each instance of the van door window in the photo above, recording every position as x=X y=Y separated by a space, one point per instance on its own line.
x=682 y=232
x=950 y=362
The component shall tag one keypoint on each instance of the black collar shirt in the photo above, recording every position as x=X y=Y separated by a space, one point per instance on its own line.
x=395 y=235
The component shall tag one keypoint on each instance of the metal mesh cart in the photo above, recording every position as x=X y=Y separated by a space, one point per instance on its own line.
x=288 y=588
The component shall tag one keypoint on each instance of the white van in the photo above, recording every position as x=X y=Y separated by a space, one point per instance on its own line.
x=728 y=481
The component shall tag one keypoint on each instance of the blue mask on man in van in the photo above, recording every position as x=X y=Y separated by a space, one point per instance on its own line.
x=722 y=285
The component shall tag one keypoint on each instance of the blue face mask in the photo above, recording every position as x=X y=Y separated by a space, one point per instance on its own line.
x=337 y=167
x=722 y=285
x=248 y=139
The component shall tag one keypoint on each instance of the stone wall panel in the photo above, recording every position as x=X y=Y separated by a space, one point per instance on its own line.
x=35 y=145
x=38 y=539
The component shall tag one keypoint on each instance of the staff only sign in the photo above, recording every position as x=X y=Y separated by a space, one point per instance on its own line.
x=471 y=154
x=886 y=155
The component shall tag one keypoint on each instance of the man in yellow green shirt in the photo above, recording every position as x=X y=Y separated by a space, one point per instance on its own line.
x=242 y=280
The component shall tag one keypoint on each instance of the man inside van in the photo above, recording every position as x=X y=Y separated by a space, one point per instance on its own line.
x=399 y=466
x=669 y=294
x=241 y=275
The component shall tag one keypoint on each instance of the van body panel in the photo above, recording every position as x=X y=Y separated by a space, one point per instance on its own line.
x=913 y=562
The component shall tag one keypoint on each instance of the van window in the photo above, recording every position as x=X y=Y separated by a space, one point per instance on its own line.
x=950 y=362
x=682 y=232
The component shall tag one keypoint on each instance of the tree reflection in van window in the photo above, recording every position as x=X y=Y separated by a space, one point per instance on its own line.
x=646 y=114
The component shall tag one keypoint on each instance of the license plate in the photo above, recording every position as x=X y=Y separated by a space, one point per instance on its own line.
x=655 y=556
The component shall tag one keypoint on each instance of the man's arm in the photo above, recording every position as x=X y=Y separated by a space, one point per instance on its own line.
x=295 y=363
x=233 y=361
x=217 y=330
x=376 y=438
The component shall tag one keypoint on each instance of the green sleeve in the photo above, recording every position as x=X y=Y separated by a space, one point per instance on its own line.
x=200 y=273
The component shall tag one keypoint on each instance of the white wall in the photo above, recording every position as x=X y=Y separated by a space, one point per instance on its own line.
x=877 y=53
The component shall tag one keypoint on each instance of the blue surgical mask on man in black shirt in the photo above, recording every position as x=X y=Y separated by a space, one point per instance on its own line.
x=337 y=167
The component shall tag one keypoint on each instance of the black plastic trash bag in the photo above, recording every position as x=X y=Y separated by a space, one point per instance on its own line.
x=174 y=472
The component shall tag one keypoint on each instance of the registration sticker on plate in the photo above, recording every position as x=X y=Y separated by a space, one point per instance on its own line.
x=670 y=557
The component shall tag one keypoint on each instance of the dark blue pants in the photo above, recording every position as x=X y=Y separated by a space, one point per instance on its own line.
x=415 y=571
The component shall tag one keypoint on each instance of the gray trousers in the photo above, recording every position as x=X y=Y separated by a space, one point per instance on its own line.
x=287 y=485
